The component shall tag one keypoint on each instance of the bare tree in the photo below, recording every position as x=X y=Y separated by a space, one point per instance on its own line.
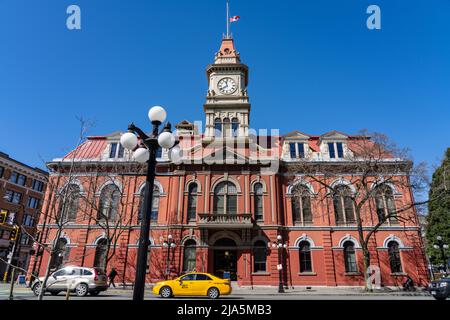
x=362 y=186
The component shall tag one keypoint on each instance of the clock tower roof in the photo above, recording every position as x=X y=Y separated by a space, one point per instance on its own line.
x=227 y=53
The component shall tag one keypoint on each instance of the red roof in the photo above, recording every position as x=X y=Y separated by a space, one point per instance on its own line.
x=90 y=149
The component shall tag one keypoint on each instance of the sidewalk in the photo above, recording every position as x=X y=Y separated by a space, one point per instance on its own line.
x=267 y=291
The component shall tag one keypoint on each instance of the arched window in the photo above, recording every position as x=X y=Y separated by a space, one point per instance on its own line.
x=343 y=205
x=101 y=252
x=69 y=203
x=218 y=127
x=350 y=257
x=235 y=127
x=301 y=205
x=189 y=256
x=258 y=201
x=305 y=256
x=394 y=257
x=226 y=127
x=225 y=198
x=192 y=202
x=61 y=254
x=384 y=198
x=155 y=204
x=259 y=256
x=109 y=203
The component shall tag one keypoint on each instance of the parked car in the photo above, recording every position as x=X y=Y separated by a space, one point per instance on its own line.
x=193 y=284
x=80 y=280
x=440 y=289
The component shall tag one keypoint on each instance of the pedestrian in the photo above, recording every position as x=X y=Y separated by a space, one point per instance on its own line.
x=111 y=276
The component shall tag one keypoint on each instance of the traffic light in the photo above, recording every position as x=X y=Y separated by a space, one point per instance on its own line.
x=14 y=233
x=3 y=216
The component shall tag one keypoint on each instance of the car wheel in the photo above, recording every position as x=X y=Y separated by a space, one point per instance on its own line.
x=94 y=293
x=213 y=293
x=440 y=298
x=165 y=292
x=81 y=290
x=37 y=289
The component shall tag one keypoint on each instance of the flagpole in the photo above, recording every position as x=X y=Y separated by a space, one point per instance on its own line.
x=228 y=19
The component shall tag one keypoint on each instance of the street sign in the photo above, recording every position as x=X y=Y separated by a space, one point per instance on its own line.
x=279 y=267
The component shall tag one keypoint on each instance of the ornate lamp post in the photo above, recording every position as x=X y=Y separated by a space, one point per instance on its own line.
x=442 y=246
x=280 y=245
x=169 y=244
x=145 y=152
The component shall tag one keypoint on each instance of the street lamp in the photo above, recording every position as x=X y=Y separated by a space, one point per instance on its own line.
x=442 y=246
x=280 y=246
x=145 y=152
x=169 y=244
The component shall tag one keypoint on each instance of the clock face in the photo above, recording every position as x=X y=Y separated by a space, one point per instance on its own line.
x=227 y=86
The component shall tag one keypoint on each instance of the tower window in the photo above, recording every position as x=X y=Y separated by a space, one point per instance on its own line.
x=226 y=127
x=218 y=127
x=235 y=127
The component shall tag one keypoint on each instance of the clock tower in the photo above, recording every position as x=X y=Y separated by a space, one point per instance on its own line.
x=227 y=106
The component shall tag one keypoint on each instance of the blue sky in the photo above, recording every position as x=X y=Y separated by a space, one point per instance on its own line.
x=314 y=67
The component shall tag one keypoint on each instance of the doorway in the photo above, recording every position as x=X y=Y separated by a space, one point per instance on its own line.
x=225 y=258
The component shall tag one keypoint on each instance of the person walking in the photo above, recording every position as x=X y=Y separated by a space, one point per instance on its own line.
x=112 y=275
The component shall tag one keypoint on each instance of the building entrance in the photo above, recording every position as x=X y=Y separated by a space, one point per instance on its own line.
x=225 y=258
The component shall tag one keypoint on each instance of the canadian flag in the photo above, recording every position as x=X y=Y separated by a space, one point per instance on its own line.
x=234 y=18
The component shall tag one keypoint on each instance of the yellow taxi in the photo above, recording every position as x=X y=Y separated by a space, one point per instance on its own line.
x=193 y=284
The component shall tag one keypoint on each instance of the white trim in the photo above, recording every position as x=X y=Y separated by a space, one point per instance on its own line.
x=344 y=182
x=259 y=238
x=298 y=182
x=375 y=184
x=225 y=234
x=100 y=237
x=115 y=182
x=304 y=237
x=187 y=238
x=349 y=237
x=188 y=184
x=226 y=179
x=390 y=238
x=156 y=184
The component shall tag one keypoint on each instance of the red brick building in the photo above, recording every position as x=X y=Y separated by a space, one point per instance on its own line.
x=226 y=203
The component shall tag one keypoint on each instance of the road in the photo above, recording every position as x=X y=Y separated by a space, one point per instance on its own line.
x=26 y=294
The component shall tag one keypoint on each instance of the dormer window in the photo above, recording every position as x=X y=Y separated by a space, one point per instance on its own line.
x=336 y=150
x=297 y=150
x=116 y=151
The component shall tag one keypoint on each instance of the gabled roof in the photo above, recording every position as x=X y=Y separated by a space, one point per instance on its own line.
x=334 y=135
x=296 y=134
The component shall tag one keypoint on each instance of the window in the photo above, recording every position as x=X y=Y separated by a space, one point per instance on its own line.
x=394 y=257
x=297 y=150
x=189 y=277
x=235 y=127
x=155 y=205
x=333 y=147
x=2 y=171
x=60 y=273
x=87 y=272
x=28 y=220
x=116 y=151
x=192 y=202
x=202 y=277
x=101 y=252
x=189 y=256
x=70 y=202
x=109 y=202
x=159 y=153
x=350 y=257
x=292 y=150
x=384 y=199
x=218 y=127
x=61 y=256
x=259 y=256
x=24 y=239
x=258 y=201
x=301 y=205
x=13 y=196
x=343 y=205
x=225 y=198
x=17 y=178
x=33 y=203
x=38 y=185
x=226 y=127
x=305 y=257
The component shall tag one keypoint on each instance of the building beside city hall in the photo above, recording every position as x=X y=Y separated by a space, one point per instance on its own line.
x=224 y=204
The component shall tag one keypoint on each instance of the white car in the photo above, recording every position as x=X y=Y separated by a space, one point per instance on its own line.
x=80 y=280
